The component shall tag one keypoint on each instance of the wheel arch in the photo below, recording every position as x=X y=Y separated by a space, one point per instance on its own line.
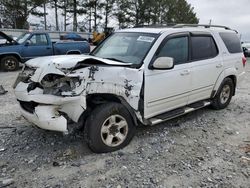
x=16 y=55
x=94 y=100
x=228 y=73
x=73 y=52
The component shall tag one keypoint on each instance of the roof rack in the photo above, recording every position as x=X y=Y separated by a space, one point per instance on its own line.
x=174 y=25
x=202 y=25
x=155 y=25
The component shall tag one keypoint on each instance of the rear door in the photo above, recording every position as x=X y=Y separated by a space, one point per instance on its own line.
x=206 y=65
x=38 y=46
x=168 y=89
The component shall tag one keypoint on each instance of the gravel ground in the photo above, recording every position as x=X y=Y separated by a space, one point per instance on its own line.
x=205 y=148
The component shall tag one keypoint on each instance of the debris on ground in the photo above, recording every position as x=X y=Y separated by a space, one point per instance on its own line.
x=246 y=148
x=6 y=182
x=245 y=159
x=2 y=90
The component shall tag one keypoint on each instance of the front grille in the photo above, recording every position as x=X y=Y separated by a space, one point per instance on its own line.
x=28 y=106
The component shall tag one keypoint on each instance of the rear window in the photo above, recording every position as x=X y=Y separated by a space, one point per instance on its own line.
x=203 y=47
x=232 y=42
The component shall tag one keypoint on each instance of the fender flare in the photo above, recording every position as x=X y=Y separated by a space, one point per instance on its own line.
x=130 y=109
x=226 y=73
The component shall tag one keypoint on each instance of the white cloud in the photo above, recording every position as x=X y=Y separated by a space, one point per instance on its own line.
x=232 y=13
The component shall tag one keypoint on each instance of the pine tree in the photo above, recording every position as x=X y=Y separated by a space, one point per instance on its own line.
x=108 y=8
x=16 y=13
x=75 y=7
x=64 y=5
x=141 y=12
x=55 y=6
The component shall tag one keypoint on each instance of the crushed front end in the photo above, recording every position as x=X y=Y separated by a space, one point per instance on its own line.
x=53 y=91
x=50 y=103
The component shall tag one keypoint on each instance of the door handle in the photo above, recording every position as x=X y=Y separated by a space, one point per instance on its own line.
x=219 y=65
x=185 y=72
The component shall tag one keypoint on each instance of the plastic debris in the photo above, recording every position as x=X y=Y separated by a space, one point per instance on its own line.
x=2 y=90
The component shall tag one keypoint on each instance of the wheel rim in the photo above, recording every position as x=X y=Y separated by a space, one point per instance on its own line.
x=114 y=130
x=225 y=94
x=10 y=64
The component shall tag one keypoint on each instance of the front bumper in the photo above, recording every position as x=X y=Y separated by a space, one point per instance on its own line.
x=48 y=111
x=45 y=118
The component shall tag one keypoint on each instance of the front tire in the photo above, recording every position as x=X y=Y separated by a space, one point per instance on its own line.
x=224 y=94
x=108 y=128
x=9 y=63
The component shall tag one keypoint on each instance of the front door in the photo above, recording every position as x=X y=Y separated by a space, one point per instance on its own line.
x=38 y=46
x=168 y=89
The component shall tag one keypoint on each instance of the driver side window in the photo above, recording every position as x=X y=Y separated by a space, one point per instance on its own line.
x=176 y=48
x=39 y=40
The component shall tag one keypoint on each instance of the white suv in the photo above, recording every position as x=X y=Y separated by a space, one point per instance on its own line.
x=136 y=76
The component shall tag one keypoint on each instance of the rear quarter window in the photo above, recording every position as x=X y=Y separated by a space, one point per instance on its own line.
x=232 y=42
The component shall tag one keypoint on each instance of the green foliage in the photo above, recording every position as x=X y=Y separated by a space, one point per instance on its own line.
x=141 y=12
x=16 y=13
x=128 y=13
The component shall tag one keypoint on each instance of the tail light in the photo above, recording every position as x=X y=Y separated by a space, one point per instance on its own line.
x=244 y=61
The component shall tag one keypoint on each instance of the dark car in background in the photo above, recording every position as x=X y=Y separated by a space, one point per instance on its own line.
x=72 y=36
x=246 y=48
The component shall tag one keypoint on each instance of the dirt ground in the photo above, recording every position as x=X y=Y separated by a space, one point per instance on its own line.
x=205 y=148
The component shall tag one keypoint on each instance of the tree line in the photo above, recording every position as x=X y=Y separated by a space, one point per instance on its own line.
x=96 y=13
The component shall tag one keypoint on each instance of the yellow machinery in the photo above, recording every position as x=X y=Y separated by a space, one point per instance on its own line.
x=98 y=37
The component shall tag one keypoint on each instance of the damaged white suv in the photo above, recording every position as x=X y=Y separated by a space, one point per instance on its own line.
x=136 y=76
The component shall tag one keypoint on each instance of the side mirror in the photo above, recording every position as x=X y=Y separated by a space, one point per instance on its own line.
x=163 y=63
x=27 y=43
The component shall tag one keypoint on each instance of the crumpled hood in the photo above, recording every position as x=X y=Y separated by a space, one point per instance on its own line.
x=66 y=61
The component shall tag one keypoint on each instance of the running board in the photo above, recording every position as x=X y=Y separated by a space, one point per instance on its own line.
x=178 y=112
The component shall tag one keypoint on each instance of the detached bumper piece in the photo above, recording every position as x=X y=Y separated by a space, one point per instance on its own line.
x=44 y=116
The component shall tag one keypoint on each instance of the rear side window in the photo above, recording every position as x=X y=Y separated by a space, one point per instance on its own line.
x=203 y=47
x=232 y=42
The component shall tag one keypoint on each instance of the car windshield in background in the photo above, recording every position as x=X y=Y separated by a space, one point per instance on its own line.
x=126 y=47
x=23 y=37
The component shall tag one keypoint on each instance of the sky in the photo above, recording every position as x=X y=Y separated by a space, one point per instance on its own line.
x=232 y=13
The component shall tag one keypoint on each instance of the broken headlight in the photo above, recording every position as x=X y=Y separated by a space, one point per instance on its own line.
x=57 y=84
x=28 y=71
x=24 y=76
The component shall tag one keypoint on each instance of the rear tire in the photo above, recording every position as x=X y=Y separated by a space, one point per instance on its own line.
x=9 y=63
x=108 y=128
x=224 y=94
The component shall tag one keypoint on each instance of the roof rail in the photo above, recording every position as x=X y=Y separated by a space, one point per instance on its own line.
x=163 y=25
x=203 y=25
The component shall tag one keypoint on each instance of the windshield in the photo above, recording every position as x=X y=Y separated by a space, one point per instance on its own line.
x=126 y=47
x=22 y=38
